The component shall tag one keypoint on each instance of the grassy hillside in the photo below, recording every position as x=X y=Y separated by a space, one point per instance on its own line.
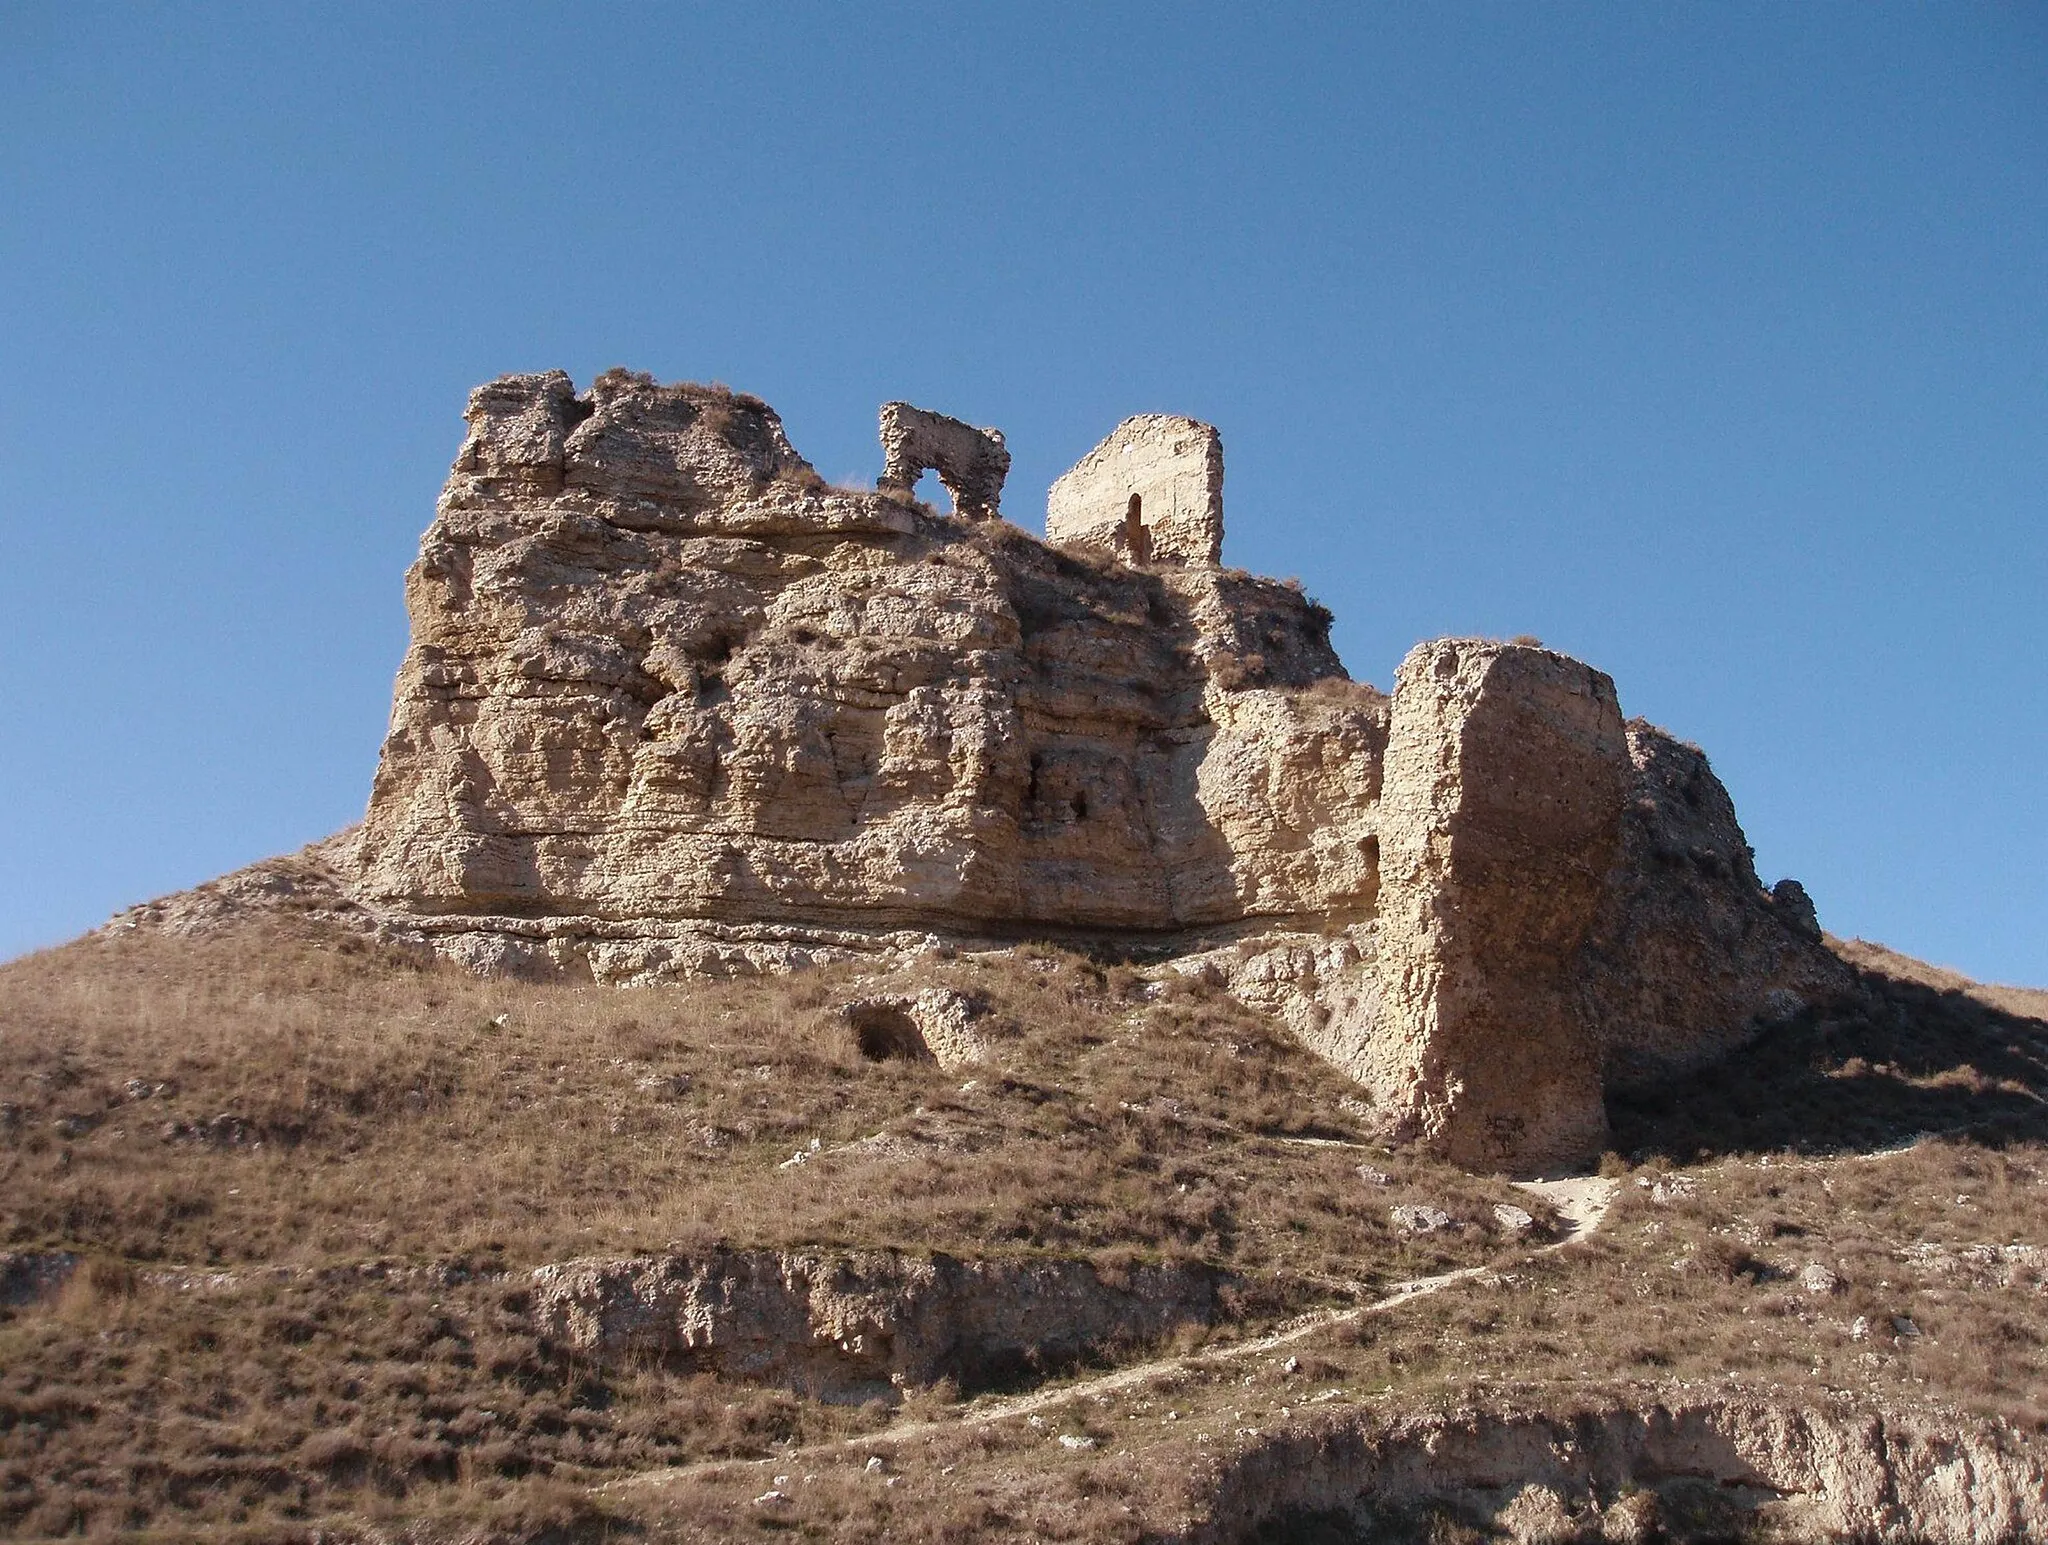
x=306 y=1182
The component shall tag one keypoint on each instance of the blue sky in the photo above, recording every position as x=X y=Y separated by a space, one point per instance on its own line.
x=1707 y=343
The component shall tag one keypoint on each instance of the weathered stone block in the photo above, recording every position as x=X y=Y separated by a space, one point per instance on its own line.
x=1150 y=493
x=1506 y=772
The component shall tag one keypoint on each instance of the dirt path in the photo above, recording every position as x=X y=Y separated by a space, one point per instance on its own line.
x=1581 y=1202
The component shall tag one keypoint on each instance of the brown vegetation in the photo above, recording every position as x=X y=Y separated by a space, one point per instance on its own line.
x=309 y=1180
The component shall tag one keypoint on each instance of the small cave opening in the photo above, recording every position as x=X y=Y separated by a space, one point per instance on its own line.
x=714 y=649
x=886 y=1033
x=1079 y=805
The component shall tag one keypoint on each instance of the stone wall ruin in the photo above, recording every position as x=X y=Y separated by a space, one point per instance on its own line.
x=1506 y=773
x=675 y=708
x=971 y=462
x=1152 y=492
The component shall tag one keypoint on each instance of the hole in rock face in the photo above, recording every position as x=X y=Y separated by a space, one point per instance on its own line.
x=712 y=654
x=714 y=649
x=886 y=1033
x=1080 y=806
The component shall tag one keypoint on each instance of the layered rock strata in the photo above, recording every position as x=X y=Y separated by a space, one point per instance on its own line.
x=1690 y=1467
x=675 y=707
x=852 y=1327
x=717 y=692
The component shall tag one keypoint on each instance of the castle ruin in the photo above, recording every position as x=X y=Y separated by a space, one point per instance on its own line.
x=673 y=707
x=1151 y=492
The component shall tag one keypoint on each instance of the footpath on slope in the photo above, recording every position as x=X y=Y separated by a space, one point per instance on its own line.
x=1582 y=1202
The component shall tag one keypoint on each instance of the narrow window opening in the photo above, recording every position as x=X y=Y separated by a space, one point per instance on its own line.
x=1137 y=540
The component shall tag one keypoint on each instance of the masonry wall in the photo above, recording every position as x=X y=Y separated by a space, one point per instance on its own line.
x=1172 y=467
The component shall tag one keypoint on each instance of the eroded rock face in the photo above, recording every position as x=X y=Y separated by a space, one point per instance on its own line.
x=1686 y=1468
x=1506 y=772
x=675 y=708
x=1690 y=952
x=702 y=687
x=851 y=1327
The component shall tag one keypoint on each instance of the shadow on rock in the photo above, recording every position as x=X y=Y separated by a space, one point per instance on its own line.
x=1896 y=1060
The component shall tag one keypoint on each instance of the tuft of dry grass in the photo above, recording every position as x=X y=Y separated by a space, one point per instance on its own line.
x=1346 y=693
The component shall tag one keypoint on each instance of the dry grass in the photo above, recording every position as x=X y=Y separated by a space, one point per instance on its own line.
x=309 y=1181
x=1916 y=1052
x=1907 y=1278
x=1346 y=693
x=289 y=1098
x=1692 y=1289
x=1877 y=960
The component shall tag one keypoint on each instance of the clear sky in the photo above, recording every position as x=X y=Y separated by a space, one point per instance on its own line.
x=1708 y=343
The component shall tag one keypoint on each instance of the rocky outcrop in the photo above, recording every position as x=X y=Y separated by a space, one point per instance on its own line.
x=1689 y=951
x=853 y=1327
x=722 y=694
x=1152 y=492
x=674 y=707
x=1684 y=1468
x=937 y=1025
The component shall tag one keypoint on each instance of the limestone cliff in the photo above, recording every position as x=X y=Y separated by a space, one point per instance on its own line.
x=675 y=707
x=659 y=674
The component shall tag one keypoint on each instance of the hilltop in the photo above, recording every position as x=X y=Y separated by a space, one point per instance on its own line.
x=847 y=1020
